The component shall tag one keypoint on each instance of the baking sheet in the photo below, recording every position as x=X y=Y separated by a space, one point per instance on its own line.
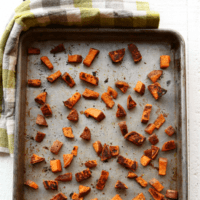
x=152 y=44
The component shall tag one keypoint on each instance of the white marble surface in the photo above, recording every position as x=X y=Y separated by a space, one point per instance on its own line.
x=179 y=15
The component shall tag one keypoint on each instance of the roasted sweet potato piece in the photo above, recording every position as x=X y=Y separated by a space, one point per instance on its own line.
x=141 y=181
x=95 y=113
x=162 y=166
x=159 y=121
x=86 y=135
x=155 y=75
x=134 y=52
x=117 y=56
x=70 y=103
x=34 y=51
x=54 y=77
x=68 y=79
x=156 y=184
x=64 y=177
x=67 y=159
x=150 y=128
x=41 y=98
x=153 y=139
x=132 y=175
x=120 y=111
x=73 y=115
x=40 y=120
x=172 y=194
x=34 y=82
x=90 y=57
x=75 y=196
x=112 y=92
x=50 y=185
x=107 y=100
x=36 y=159
x=169 y=130
x=123 y=127
x=145 y=160
x=89 y=78
x=83 y=175
x=156 y=195
x=105 y=153
x=31 y=184
x=140 y=88
x=59 y=196
x=55 y=148
x=67 y=131
x=135 y=138
x=127 y=163
x=58 y=49
x=47 y=62
x=90 y=94
x=83 y=190
x=74 y=151
x=156 y=90
x=169 y=145
x=164 y=61
x=123 y=86
x=55 y=166
x=94 y=199
x=146 y=113
x=91 y=163
x=155 y=151
x=102 y=180
x=116 y=197
x=148 y=153
x=114 y=150
x=130 y=103
x=139 y=197
x=120 y=185
x=46 y=110
x=74 y=58
x=39 y=136
x=97 y=147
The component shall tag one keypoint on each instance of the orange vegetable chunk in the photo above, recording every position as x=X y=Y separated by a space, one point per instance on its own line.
x=140 y=88
x=68 y=79
x=90 y=57
x=74 y=58
x=74 y=151
x=47 y=62
x=50 y=185
x=67 y=159
x=155 y=75
x=162 y=166
x=102 y=180
x=89 y=78
x=156 y=195
x=170 y=130
x=33 y=51
x=150 y=128
x=120 y=111
x=156 y=184
x=59 y=196
x=112 y=92
x=169 y=145
x=107 y=100
x=46 y=110
x=55 y=166
x=145 y=160
x=39 y=136
x=95 y=113
x=55 y=148
x=36 y=159
x=90 y=94
x=135 y=52
x=31 y=184
x=164 y=61
x=34 y=82
x=123 y=86
x=70 y=103
x=146 y=113
x=54 y=77
x=41 y=98
x=117 y=56
x=139 y=197
x=40 y=120
x=159 y=121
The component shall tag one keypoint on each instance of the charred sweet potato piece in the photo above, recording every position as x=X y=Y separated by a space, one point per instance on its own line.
x=146 y=113
x=73 y=115
x=74 y=151
x=172 y=194
x=91 y=163
x=170 y=145
x=86 y=135
x=123 y=127
x=107 y=100
x=135 y=138
x=117 y=56
x=130 y=103
x=156 y=195
x=64 y=177
x=134 y=52
x=68 y=79
x=94 y=199
x=148 y=153
x=55 y=166
x=139 y=197
x=159 y=121
x=156 y=90
x=97 y=147
x=50 y=185
x=145 y=160
x=41 y=98
x=141 y=181
x=47 y=62
x=90 y=94
x=154 y=75
x=150 y=128
x=105 y=153
x=123 y=86
x=155 y=151
x=116 y=197
x=132 y=175
x=120 y=185
x=58 y=49
x=114 y=150
x=169 y=130
x=112 y=92
x=120 y=111
x=67 y=159
x=40 y=120
x=55 y=148
x=95 y=113
x=39 y=136
x=34 y=51
x=46 y=110
x=127 y=163
x=70 y=103
x=31 y=184
x=164 y=61
x=90 y=57
x=83 y=175
x=59 y=196
x=83 y=190
x=102 y=180
x=162 y=166
x=36 y=159
x=75 y=196
x=54 y=77
x=74 y=58
x=89 y=78
x=67 y=131
x=140 y=88
x=34 y=82
x=156 y=184
x=153 y=139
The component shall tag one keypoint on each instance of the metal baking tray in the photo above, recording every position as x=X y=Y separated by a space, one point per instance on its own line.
x=152 y=44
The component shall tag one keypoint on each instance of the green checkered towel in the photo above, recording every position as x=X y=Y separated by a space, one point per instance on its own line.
x=80 y=13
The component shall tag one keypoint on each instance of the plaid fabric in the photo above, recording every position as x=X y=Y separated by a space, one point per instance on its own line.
x=80 y=13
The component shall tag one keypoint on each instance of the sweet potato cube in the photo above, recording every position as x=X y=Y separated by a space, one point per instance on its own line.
x=59 y=196
x=74 y=151
x=83 y=175
x=130 y=103
x=90 y=57
x=107 y=100
x=135 y=138
x=95 y=113
x=36 y=159
x=94 y=199
x=68 y=79
x=47 y=62
x=156 y=184
x=169 y=145
x=91 y=163
x=58 y=49
x=148 y=153
x=120 y=111
x=33 y=51
x=155 y=75
x=139 y=197
x=159 y=121
x=145 y=160
x=54 y=77
x=116 y=197
x=50 y=185
x=141 y=181
x=153 y=139
x=67 y=131
x=117 y=56
x=40 y=120
x=67 y=159
x=73 y=115
x=162 y=166
x=70 y=103
x=127 y=163
x=89 y=78
x=55 y=148
x=64 y=177
x=75 y=196
x=156 y=90
x=83 y=190
x=34 y=82
x=164 y=61
x=132 y=175
x=120 y=185
x=123 y=86
x=90 y=94
x=105 y=153
x=155 y=151
x=172 y=194
x=46 y=110
x=97 y=147
x=150 y=128
x=39 y=136
x=86 y=135
x=74 y=58
x=156 y=195
x=123 y=127
x=31 y=184
x=41 y=98
x=55 y=166
x=112 y=92
x=146 y=113
x=114 y=150
x=140 y=87
x=169 y=130
x=135 y=52
x=102 y=180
